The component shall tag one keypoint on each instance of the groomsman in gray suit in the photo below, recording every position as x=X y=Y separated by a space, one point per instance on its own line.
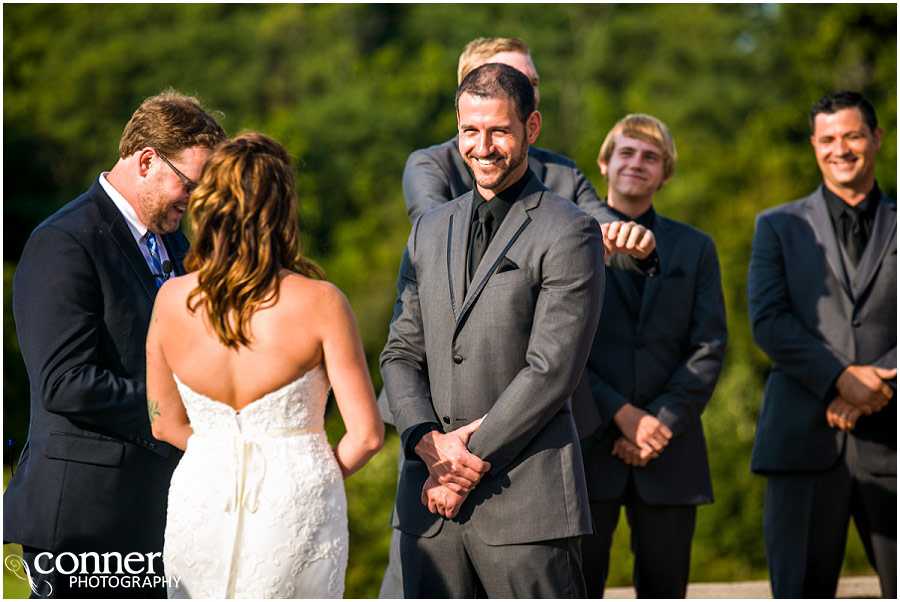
x=500 y=293
x=655 y=361
x=822 y=291
x=438 y=174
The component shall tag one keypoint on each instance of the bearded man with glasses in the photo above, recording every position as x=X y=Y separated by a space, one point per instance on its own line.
x=91 y=478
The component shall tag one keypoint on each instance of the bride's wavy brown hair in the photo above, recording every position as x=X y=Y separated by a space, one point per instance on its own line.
x=244 y=214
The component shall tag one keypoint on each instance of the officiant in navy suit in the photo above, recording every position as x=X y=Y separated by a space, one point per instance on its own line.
x=91 y=477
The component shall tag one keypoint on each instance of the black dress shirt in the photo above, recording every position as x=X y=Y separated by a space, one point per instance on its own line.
x=650 y=263
x=852 y=225
x=499 y=206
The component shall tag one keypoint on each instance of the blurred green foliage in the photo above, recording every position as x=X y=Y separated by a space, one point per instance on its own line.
x=351 y=90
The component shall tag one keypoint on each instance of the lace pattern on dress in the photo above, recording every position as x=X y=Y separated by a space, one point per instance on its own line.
x=257 y=505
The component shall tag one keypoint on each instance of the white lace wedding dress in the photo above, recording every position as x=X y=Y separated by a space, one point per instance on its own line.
x=257 y=506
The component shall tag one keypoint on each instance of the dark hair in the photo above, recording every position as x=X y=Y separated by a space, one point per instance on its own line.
x=837 y=101
x=244 y=213
x=170 y=122
x=496 y=80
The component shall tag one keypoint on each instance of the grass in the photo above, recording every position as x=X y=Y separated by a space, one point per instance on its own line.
x=14 y=585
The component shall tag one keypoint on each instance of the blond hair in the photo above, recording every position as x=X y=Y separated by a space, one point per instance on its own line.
x=244 y=214
x=646 y=129
x=478 y=51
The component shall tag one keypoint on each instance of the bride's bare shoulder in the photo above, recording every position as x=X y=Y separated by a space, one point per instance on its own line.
x=175 y=290
x=321 y=295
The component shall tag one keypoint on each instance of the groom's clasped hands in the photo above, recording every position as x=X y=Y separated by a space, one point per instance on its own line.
x=453 y=469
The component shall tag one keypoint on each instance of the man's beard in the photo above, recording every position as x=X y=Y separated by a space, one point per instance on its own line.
x=156 y=215
x=512 y=165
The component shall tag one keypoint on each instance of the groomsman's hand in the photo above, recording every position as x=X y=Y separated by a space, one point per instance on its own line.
x=440 y=500
x=643 y=430
x=630 y=453
x=864 y=387
x=448 y=460
x=628 y=238
x=842 y=414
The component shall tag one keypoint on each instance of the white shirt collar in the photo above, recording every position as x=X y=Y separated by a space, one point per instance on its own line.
x=138 y=229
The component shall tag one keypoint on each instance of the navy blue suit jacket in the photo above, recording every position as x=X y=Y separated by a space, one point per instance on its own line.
x=813 y=322
x=91 y=477
x=661 y=351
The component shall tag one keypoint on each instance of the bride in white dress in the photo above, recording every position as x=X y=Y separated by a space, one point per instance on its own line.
x=240 y=354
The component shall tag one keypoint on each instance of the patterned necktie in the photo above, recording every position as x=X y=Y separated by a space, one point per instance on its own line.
x=481 y=237
x=153 y=247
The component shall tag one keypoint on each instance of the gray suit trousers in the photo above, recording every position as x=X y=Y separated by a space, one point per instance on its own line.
x=456 y=563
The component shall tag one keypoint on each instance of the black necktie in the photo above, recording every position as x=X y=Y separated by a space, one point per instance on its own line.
x=854 y=236
x=481 y=237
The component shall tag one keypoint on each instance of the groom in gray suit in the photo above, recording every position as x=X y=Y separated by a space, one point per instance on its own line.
x=500 y=294
x=438 y=174
x=823 y=306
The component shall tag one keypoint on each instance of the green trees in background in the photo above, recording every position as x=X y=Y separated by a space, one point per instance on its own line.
x=351 y=90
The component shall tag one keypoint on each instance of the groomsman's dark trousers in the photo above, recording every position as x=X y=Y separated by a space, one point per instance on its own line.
x=805 y=524
x=660 y=541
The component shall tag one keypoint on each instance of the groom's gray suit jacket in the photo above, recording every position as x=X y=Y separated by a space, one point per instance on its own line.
x=511 y=346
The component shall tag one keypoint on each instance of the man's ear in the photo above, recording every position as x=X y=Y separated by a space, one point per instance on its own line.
x=533 y=126
x=604 y=168
x=145 y=158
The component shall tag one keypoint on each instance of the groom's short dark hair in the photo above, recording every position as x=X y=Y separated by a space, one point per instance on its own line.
x=496 y=80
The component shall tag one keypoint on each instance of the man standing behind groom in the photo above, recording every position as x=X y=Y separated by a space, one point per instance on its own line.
x=654 y=364
x=91 y=477
x=500 y=292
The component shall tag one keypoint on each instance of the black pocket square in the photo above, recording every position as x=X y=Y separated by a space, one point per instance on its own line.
x=506 y=265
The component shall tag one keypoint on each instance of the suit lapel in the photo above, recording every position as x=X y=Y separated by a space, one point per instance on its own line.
x=824 y=231
x=177 y=249
x=121 y=235
x=884 y=231
x=664 y=246
x=457 y=252
x=515 y=222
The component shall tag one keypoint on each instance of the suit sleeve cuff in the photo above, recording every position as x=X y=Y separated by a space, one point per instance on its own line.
x=416 y=435
x=650 y=264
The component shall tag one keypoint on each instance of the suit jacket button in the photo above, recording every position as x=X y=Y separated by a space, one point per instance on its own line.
x=457 y=359
x=857 y=323
x=152 y=446
x=446 y=419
